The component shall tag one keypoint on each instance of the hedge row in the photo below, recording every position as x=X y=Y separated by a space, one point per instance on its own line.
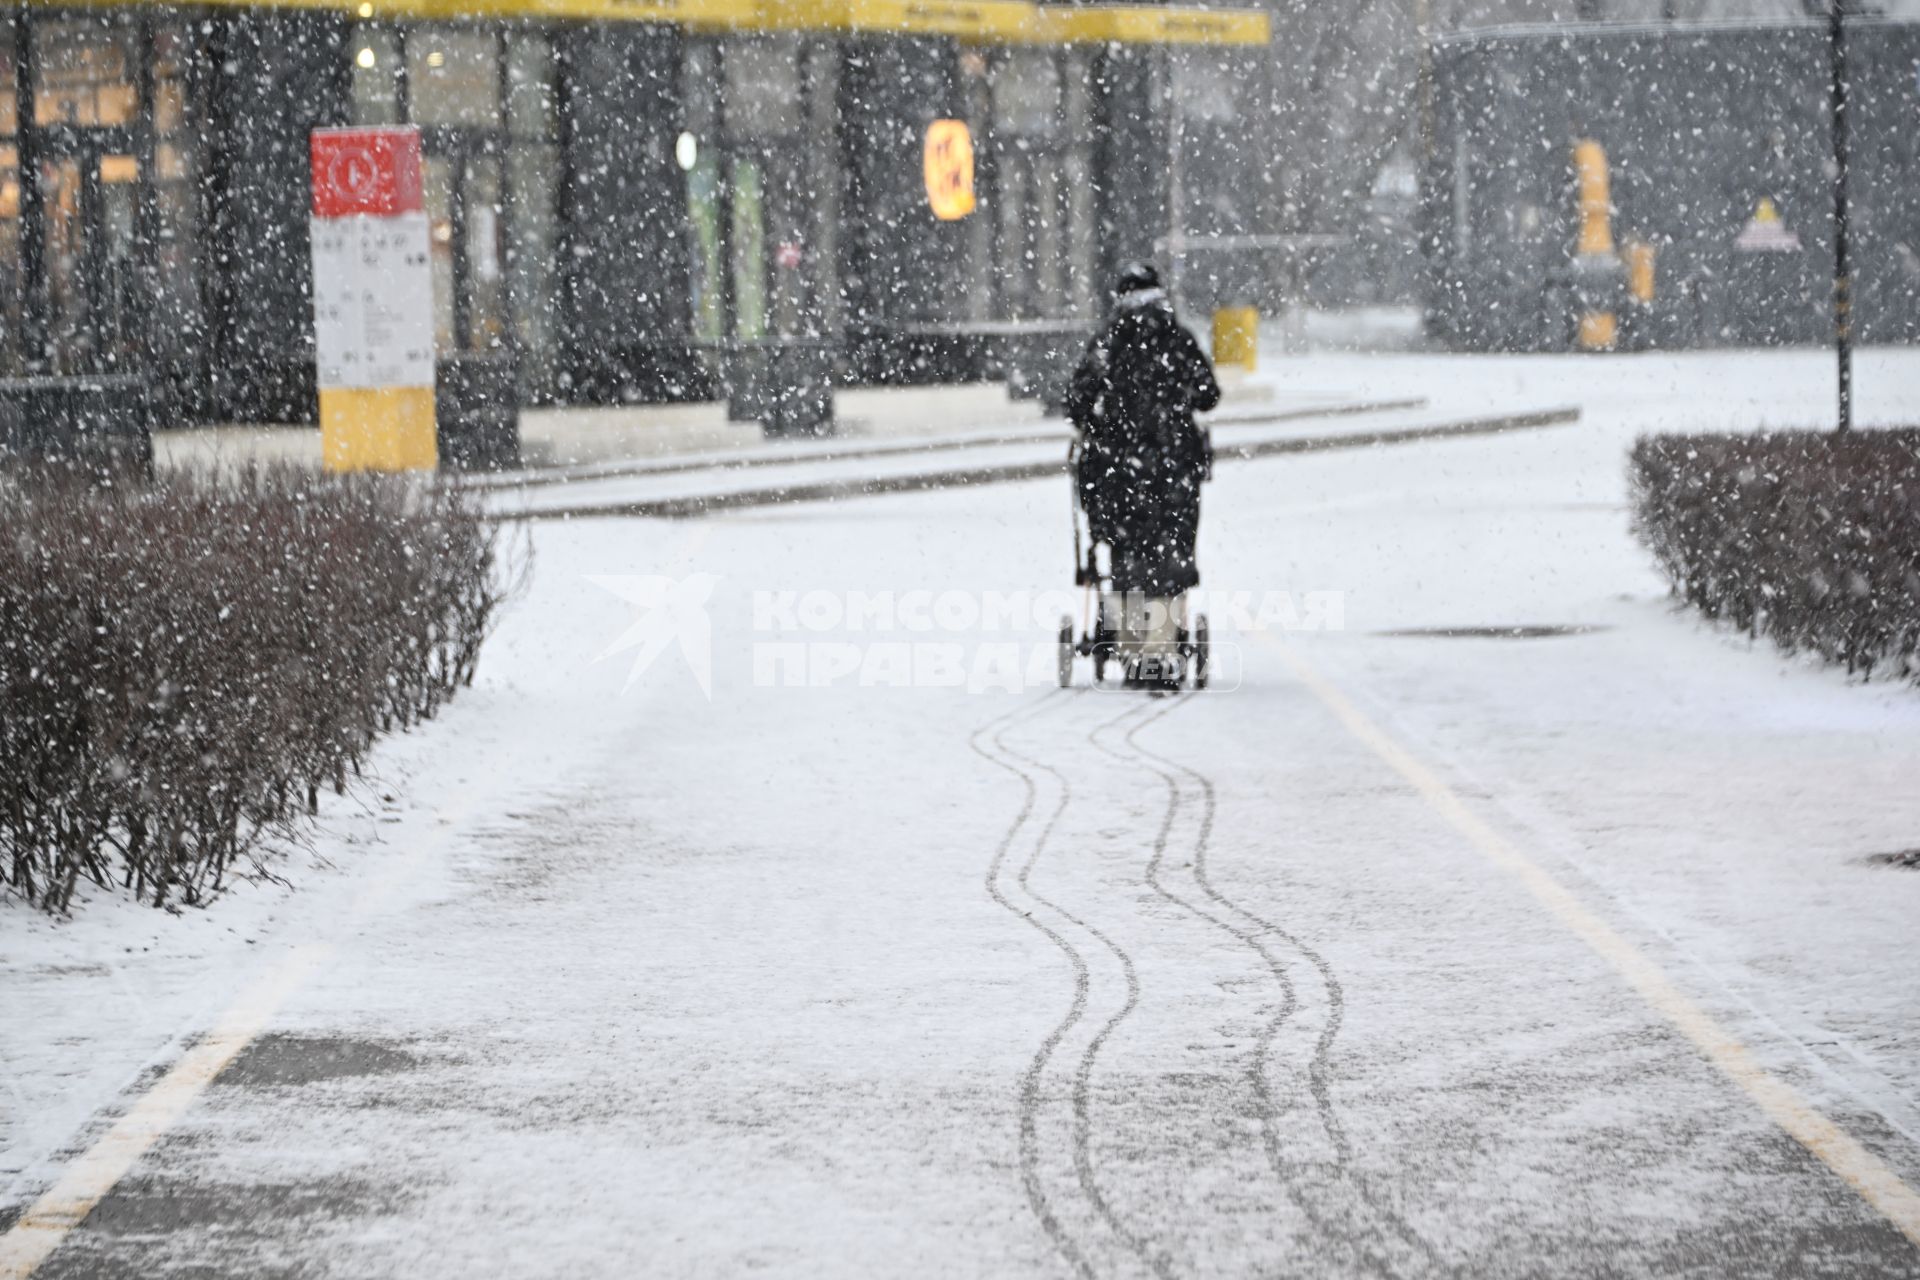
x=1812 y=540
x=183 y=665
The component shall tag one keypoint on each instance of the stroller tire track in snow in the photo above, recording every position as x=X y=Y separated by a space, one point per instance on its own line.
x=1254 y=931
x=1004 y=889
x=1073 y=1212
x=1089 y=1060
x=1030 y=1081
x=1256 y=1074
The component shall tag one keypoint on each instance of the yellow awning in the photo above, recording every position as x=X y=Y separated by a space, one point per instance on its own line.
x=1152 y=24
x=982 y=21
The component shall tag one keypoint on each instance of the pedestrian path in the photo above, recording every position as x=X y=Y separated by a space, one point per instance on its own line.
x=697 y=485
x=1436 y=942
x=582 y=439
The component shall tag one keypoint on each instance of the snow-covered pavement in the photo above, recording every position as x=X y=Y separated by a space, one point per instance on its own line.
x=787 y=472
x=846 y=968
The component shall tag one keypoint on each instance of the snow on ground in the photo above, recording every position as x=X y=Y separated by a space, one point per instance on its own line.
x=881 y=981
x=785 y=465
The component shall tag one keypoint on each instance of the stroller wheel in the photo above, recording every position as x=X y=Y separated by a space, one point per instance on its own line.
x=1201 y=652
x=1066 y=653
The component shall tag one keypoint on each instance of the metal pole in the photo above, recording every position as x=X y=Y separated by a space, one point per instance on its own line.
x=1423 y=34
x=1176 y=194
x=1842 y=228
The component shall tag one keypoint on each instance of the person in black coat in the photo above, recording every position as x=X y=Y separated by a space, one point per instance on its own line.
x=1142 y=456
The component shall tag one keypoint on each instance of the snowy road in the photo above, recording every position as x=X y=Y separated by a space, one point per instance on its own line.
x=1412 y=953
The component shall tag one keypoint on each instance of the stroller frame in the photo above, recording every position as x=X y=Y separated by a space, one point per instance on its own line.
x=1117 y=627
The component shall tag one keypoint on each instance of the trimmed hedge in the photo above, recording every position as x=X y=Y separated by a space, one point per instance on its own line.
x=1812 y=540
x=184 y=665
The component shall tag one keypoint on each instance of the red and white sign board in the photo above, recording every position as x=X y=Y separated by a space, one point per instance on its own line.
x=375 y=172
x=372 y=267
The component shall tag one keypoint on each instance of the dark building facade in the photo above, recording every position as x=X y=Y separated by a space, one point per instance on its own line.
x=1718 y=138
x=630 y=207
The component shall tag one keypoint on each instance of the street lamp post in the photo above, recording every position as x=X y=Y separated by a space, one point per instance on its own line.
x=1842 y=228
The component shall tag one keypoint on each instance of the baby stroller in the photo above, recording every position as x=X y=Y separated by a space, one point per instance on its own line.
x=1145 y=638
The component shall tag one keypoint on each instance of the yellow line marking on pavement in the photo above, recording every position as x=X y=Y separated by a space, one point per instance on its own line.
x=1865 y=1172
x=88 y=1179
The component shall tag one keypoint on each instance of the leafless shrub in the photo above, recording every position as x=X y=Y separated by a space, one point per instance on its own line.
x=1812 y=540
x=184 y=665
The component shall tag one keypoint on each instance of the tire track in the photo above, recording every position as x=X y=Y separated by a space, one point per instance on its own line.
x=1012 y=760
x=1089 y=1057
x=1252 y=932
x=1030 y=1081
x=1257 y=1074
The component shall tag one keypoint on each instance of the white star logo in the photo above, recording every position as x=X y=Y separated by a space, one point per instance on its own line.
x=670 y=610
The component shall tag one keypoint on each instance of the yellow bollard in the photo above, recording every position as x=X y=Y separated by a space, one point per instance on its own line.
x=1236 y=337
x=1596 y=197
x=1640 y=270
x=1598 y=329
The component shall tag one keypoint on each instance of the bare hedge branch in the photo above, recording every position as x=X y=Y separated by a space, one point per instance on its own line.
x=1809 y=539
x=184 y=665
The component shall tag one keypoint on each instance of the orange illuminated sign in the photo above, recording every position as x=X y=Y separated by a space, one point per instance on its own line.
x=949 y=165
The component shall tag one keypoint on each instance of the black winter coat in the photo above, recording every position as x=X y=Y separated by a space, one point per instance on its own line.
x=1142 y=456
x=1140 y=383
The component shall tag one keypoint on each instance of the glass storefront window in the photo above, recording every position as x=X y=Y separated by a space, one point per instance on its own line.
x=10 y=355
x=1026 y=94
x=484 y=267
x=180 y=319
x=453 y=77
x=1014 y=203
x=763 y=86
x=533 y=180
x=703 y=210
x=1204 y=91
x=1049 y=259
x=532 y=244
x=1043 y=194
x=1083 y=232
x=437 y=180
x=172 y=48
x=376 y=77
x=63 y=261
x=532 y=111
x=749 y=249
x=86 y=74
x=492 y=172
x=1037 y=179
x=9 y=105
x=703 y=149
